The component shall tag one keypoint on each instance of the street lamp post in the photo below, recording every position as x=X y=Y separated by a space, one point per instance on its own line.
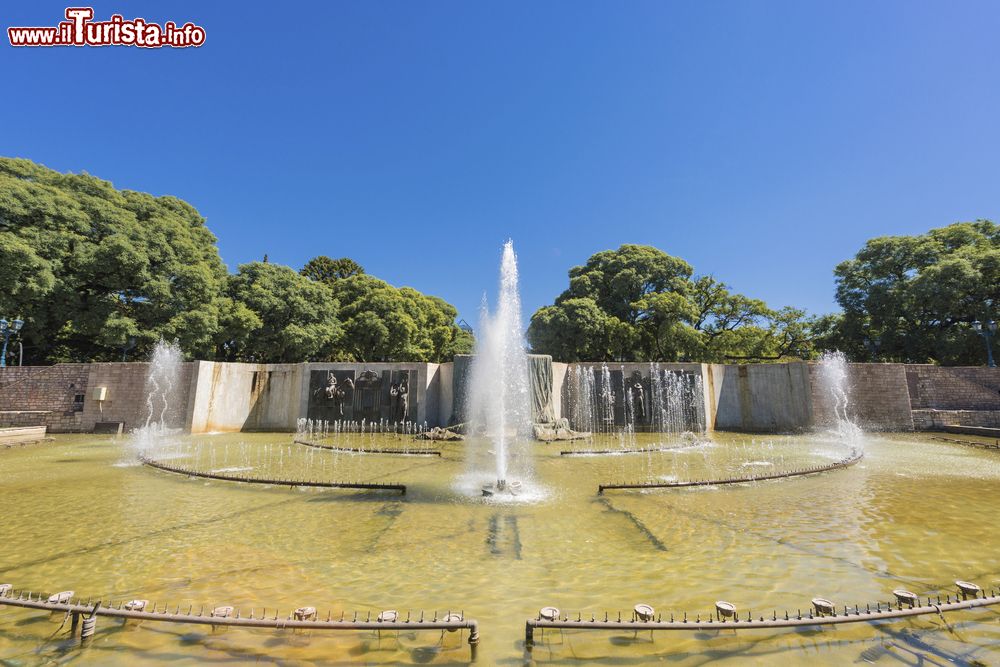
x=987 y=330
x=8 y=329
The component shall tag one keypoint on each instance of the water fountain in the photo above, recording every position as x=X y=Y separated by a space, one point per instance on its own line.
x=835 y=390
x=498 y=391
x=163 y=416
x=605 y=400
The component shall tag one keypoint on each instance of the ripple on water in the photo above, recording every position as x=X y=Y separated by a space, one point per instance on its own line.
x=850 y=535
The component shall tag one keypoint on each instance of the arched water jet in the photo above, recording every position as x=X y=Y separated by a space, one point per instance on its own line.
x=162 y=407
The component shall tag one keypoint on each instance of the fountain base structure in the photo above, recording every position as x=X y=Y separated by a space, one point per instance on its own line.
x=557 y=431
x=503 y=487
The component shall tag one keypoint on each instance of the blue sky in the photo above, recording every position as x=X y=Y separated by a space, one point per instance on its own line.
x=763 y=142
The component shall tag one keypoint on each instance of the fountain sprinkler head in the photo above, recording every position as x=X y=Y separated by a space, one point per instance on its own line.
x=224 y=611
x=5 y=589
x=136 y=605
x=823 y=606
x=387 y=616
x=725 y=609
x=968 y=588
x=453 y=617
x=305 y=614
x=644 y=612
x=548 y=613
x=62 y=597
x=501 y=485
x=904 y=596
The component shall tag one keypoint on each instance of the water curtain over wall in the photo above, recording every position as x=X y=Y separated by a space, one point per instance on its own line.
x=609 y=399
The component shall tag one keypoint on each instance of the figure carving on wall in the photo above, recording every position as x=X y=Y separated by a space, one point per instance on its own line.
x=638 y=396
x=399 y=395
x=337 y=392
x=368 y=377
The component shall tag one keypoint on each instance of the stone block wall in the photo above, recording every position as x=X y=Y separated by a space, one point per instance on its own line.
x=52 y=396
x=211 y=396
x=61 y=397
x=953 y=387
x=126 y=396
x=936 y=420
x=879 y=399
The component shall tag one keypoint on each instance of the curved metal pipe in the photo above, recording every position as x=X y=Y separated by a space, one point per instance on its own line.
x=855 y=456
x=9 y=599
x=360 y=450
x=180 y=470
x=788 y=621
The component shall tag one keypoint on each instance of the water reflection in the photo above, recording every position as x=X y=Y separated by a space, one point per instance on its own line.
x=915 y=514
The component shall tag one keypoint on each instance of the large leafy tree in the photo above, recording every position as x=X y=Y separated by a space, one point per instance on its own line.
x=386 y=323
x=88 y=266
x=326 y=270
x=639 y=303
x=282 y=316
x=915 y=298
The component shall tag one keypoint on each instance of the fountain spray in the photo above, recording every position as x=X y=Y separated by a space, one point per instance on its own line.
x=499 y=397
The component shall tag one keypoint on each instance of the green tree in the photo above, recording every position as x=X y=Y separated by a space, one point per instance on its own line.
x=87 y=266
x=278 y=315
x=617 y=280
x=914 y=298
x=386 y=323
x=638 y=303
x=325 y=270
x=574 y=330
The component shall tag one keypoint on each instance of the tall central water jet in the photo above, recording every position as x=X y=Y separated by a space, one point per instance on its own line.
x=499 y=399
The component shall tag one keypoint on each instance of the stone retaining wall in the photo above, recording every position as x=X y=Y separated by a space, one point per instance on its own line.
x=52 y=396
x=936 y=420
x=878 y=397
x=213 y=396
x=953 y=388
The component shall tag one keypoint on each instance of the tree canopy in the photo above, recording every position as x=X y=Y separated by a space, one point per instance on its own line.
x=88 y=267
x=639 y=303
x=288 y=317
x=916 y=298
x=326 y=270
x=91 y=268
x=383 y=323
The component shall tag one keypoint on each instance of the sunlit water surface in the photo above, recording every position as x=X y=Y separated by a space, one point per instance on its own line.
x=915 y=513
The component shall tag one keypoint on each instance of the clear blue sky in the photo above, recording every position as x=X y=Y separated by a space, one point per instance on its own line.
x=761 y=141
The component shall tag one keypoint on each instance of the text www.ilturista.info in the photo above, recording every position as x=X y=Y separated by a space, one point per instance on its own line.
x=80 y=30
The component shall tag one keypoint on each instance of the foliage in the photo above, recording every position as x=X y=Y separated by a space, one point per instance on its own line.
x=914 y=298
x=87 y=266
x=287 y=317
x=383 y=323
x=639 y=303
x=325 y=270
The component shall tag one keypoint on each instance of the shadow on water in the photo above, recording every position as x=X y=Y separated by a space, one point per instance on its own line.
x=90 y=548
x=634 y=521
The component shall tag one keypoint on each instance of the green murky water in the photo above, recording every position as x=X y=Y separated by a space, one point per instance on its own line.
x=916 y=514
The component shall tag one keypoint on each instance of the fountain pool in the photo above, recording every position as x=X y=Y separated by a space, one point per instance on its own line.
x=915 y=513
